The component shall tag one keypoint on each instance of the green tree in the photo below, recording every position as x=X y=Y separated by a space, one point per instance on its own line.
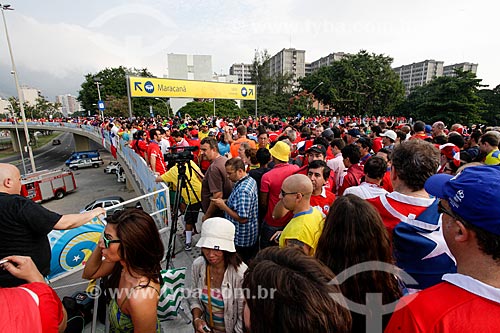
x=449 y=99
x=223 y=107
x=357 y=84
x=42 y=108
x=113 y=88
x=273 y=93
x=492 y=99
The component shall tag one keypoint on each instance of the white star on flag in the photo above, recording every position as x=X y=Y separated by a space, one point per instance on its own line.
x=440 y=248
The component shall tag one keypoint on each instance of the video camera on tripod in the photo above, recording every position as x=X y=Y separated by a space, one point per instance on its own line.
x=180 y=155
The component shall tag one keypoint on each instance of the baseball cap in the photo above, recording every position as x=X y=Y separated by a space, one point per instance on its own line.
x=194 y=132
x=280 y=151
x=390 y=134
x=318 y=149
x=217 y=233
x=354 y=132
x=472 y=195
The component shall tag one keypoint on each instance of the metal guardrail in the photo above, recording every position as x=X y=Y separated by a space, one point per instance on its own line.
x=143 y=177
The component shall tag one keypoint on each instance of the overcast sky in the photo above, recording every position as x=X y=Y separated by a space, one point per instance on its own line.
x=57 y=42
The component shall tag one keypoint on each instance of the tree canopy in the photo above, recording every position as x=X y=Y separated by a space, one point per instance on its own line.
x=357 y=84
x=223 y=107
x=113 y=88
x=492 y=99
x=449 y=99
x=42 y=108
x=273 y=93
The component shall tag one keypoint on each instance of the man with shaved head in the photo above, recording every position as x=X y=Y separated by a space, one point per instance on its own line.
x=305 y=228
x=25 y=225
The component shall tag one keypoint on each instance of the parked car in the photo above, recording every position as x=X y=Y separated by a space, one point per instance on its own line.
x=94 y=162
x=112 y=167
x=104 y=203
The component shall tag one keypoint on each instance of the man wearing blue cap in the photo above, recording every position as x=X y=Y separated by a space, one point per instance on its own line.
x=469 y=300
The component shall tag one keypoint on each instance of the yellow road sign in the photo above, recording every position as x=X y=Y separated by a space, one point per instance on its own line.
x=154 y=87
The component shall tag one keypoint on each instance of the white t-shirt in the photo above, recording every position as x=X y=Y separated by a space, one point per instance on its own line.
x=366 y=190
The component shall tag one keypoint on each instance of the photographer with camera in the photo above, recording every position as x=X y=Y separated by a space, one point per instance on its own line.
x=190 y=192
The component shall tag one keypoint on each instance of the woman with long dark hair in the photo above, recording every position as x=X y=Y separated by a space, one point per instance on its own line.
x=289 y=291
x=132 y=250
x=355 y=234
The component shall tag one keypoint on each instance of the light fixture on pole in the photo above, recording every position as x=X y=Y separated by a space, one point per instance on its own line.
x=19 y=92
x=166 y=105
x=312 y=91
x=97 y=81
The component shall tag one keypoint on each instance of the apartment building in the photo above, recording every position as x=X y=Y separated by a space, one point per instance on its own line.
x=69 y=104
x=464 y=66
x=243 y=72
x=327 y=61
x=289 y=61
x=420 y=73
x=187 y=67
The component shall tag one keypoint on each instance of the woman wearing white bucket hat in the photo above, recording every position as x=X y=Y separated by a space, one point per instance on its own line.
x=216 y=275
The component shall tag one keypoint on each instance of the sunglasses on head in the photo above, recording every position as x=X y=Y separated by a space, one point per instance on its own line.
x=107 y=241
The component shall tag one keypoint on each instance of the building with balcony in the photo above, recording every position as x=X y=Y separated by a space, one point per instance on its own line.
x=418 y=74
x=327 y=61
x=69 y=104
x=289 y=61
x=30 y=95
x=464 y=66
x=243 y=72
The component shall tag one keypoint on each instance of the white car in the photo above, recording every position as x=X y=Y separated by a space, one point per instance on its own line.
x=93 y=162
x=112 y=167
x=104 y=203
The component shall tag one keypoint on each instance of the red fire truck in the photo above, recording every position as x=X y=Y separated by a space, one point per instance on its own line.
x=47 y=184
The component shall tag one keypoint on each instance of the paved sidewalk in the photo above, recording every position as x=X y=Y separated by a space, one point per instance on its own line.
x=74 y=283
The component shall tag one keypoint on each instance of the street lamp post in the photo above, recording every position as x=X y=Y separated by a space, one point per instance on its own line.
x=166 y=105
x=19 y=93
x=312 y=91
x=98 y=82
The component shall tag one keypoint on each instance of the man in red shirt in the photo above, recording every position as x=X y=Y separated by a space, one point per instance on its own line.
x=317 y=153
x=411 y=215
x=354 y=173
x=318 y=172
x=270 y=192
x=156 y=161
x=419 y=129
x=468 y=301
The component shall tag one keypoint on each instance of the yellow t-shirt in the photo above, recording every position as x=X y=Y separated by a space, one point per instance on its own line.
x=305 y=227
x=202 y=135
x=493 y=158
x=171 y=177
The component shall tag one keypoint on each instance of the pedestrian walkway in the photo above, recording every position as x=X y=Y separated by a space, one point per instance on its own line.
x=74 y=283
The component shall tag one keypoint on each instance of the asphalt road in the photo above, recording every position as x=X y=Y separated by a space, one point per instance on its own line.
x=48 y=156
x=92 y=183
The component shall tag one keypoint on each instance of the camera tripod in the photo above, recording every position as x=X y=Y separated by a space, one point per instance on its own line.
x=183 y=184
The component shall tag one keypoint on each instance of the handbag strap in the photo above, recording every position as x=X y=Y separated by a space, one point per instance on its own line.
x=209 y=297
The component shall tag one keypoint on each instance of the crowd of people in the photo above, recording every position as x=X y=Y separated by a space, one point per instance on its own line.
x=303 y=208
